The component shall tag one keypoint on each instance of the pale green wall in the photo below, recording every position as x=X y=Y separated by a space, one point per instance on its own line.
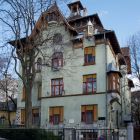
x=72 y=106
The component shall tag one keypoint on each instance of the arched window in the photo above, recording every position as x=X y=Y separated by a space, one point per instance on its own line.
x=57 y=60
x=39 y=64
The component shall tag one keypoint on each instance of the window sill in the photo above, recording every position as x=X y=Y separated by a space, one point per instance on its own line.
x=56 y=95
x=87 y=64
x=86 y=123
x=113 y=90
x=89 y=93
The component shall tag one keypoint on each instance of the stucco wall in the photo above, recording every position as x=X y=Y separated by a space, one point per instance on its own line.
x=72 y=107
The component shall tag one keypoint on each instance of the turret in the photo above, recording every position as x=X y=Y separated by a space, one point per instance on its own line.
x=90 y=28
x=75 y=8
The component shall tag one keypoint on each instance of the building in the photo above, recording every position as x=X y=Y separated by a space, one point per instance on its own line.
x=8 y=101
x=135 y=98
x=5 y=109
x=85 y=84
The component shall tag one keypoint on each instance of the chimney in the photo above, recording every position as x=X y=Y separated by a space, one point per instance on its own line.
x=84 y=12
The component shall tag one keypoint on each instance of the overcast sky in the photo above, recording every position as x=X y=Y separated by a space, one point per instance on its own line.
x=122 y=16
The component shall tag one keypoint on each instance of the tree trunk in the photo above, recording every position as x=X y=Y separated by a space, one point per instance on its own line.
x=28 y=107
x=8 y=112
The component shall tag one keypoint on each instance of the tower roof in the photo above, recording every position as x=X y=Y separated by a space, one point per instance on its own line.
x=89 y=23
x=76 y=3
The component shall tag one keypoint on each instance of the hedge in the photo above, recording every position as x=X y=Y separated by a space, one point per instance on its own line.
x=28 y=134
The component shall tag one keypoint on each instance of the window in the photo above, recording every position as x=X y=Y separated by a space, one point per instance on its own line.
x=23 y=93
x=57 y=87
x=57 y=38
x=89 y=83
x=57 y=60
x=35 y=117
x=51 y=17
x=114 y=82
x=39 y=90
x=56 y=115
x=89 y=113
x=22 y=116
x=39 y=65
x=89 y=55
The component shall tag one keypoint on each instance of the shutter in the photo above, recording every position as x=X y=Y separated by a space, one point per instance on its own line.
x=56 y=110
x=95 y=113
x=90 y=50
x=61 y=114
x=93 y=51
x=50 y=111
x=22 y=116
x=89 y=107
x=35 y=111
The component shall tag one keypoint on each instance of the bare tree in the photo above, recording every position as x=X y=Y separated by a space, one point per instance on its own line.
x=135 y=100
x=8 y=85
x=134 y=45
x=19 y=19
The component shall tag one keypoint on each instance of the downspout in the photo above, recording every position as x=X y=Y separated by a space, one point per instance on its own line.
x=106 y=79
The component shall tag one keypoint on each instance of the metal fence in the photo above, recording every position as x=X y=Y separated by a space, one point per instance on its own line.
x=66 y=134
x=85 y=134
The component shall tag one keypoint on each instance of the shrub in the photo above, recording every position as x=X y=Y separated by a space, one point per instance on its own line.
x=28 y=134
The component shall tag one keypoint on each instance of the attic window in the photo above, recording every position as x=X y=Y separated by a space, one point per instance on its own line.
x=51 y=17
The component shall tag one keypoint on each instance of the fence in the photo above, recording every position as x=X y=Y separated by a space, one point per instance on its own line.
x=62 y=134
x=85 y=134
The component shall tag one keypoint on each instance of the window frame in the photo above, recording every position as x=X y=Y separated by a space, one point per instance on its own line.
x=113 y=82
x=53 y=115
x=60 y=86
x=87 y=82
x=85 y=109
x=39 y=65
x=57 y=59
x=89 y=52
x=35 y=115
x=51 y=17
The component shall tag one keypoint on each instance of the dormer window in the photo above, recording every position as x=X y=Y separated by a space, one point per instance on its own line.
x=57 y=60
